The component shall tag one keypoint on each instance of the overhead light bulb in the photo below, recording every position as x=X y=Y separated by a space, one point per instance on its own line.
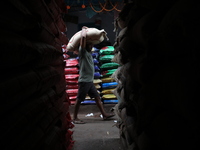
x=68 y=7
x=83 y=6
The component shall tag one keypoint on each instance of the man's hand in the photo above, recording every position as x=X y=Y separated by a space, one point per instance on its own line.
x=83 y=32
x=83 y=37
x=84 y=27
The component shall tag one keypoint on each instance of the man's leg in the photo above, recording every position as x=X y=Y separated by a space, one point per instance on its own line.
x=93 y=93
x=100 y=106
x=76 y=109
x=80 y=96
x=76 y=120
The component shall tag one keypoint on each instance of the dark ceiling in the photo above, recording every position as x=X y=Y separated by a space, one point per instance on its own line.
x=75 y=3
x=93 y=5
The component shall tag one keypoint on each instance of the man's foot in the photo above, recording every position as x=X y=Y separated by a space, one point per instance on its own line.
x=108 y=116
x=78 y=121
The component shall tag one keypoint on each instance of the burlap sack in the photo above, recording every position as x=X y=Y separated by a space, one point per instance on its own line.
x=93 y=35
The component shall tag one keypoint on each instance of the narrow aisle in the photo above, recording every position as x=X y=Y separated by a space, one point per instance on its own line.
x=95 y=134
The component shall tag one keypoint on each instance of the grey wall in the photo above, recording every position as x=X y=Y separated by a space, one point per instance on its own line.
x=107 y=20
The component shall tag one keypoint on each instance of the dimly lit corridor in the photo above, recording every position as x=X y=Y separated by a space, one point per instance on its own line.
x=153 y=53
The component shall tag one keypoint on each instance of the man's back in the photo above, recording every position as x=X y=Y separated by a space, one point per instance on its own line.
x=86 y=66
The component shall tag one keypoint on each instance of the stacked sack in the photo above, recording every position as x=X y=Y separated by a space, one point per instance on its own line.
x=71 y=76
x=159 y=76
x=34 y=112
x=107 y=69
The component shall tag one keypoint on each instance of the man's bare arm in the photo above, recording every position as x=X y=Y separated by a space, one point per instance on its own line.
x=83 y=37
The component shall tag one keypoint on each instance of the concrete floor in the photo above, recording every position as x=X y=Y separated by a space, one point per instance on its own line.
x=95 y=134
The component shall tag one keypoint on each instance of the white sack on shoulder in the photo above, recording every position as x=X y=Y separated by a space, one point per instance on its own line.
x=93 y=35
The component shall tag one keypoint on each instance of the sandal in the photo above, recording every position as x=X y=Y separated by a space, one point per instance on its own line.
x=110 y=116
x=78 y=122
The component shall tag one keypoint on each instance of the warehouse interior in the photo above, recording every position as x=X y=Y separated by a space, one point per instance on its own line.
x=157 y=74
